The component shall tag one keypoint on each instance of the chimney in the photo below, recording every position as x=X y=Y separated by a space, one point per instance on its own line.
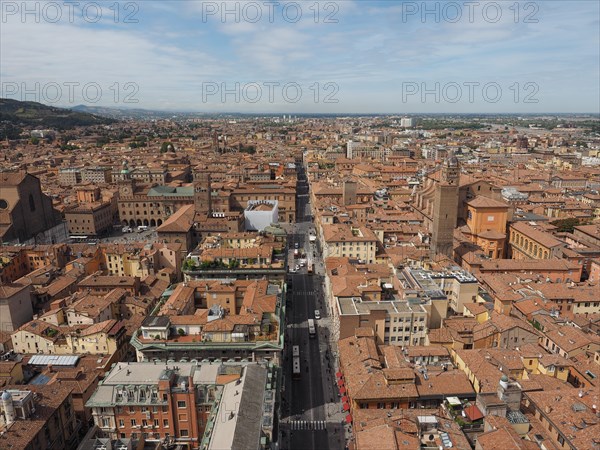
x=548 y=409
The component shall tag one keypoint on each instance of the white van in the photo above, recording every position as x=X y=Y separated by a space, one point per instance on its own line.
x=142 y=228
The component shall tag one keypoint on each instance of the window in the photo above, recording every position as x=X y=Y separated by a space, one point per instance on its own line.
x=133 y=423
x=183 y=417
x=105 y=422
x=121 y=423
x=183 y=433
x=166 y=423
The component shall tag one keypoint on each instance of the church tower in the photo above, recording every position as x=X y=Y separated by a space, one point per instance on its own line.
x=202 y=191
x=445 y=208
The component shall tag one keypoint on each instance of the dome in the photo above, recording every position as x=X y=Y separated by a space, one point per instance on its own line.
x=6 y=396
x=504 y=379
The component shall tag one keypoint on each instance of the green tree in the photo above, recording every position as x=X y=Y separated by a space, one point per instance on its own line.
x=566 y=225
x=165 y=147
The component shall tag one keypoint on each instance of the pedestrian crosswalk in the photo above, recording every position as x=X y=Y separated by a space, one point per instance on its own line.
x=308 y=424
x=304 y=293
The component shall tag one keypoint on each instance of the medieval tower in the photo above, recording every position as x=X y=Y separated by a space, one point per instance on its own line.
x=445 y=208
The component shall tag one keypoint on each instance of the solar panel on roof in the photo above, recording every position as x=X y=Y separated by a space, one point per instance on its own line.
x=40 y=379
x=446 y=440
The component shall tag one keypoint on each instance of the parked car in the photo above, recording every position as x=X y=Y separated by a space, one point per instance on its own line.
x=317 y=314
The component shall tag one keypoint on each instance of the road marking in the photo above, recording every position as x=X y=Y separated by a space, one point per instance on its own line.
x=308 y=425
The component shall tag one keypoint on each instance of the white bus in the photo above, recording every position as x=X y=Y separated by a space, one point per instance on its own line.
x=312 y=331
x=296 y=367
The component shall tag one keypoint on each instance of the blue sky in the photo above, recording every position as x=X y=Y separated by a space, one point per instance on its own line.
x=355 y=57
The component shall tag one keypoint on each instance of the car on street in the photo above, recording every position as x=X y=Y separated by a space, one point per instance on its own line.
x=317 y=314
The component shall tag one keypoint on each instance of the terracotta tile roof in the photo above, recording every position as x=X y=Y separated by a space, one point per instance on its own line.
x=444 y=383
x=570 y=338
x=570 y=414
x=542 y=237
x=385 y=437
x=486 y=202
x=179 y=222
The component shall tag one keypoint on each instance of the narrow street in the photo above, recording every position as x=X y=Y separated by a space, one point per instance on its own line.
x=311 y=412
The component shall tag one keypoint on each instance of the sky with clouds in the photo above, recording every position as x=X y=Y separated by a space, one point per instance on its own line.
x=305 y=57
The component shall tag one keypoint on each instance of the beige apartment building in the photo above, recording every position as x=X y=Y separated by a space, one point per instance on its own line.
x=347 y=241
x=104 y=338
x=162 y=260
x=394 y=322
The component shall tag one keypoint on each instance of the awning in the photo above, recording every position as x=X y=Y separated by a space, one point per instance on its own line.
x=346 y=407
x=348 y=418
x=343 y=390
x=344 y=399
x=338 y=374
x=340 y=382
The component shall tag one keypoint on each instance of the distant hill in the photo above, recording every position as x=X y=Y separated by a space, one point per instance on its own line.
x=133 y=113
x=32 y=114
